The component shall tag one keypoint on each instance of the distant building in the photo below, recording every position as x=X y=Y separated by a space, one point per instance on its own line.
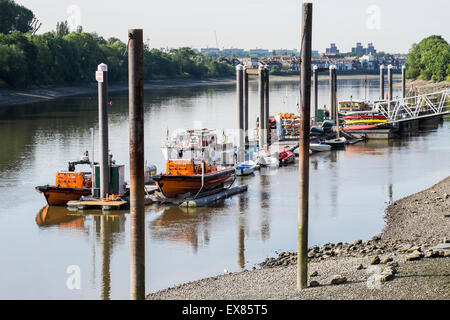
x=285 y=52
x=360 y=50
x=251 y=63
x=315 y=53
x=231 y=61
x=259 y=52
x=370 y=49
x=210 y=51
x=332 y=49
x=233 y=52
x=368 y=62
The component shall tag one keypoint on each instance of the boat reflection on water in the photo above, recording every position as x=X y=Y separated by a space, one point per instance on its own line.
x=101 y=228
x=187 y=225
x=265 y=207
x=242 y=226
x=352 y=151
x=106 y=226
x=192 y=226
x=373 y=147
x=58 y=216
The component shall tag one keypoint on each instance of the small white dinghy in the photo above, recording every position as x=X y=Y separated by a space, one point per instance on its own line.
x=265 y=161
x=296 y=152
x=245 y=168
x=336 y=143
x=319 y=147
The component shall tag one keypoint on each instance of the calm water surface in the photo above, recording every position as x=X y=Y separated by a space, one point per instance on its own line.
x=349 y=190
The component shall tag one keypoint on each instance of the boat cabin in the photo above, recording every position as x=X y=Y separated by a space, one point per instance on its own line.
x=202 y=138
x=352 y=105
x=199 y=144
x=183 y=167
x=70 y=179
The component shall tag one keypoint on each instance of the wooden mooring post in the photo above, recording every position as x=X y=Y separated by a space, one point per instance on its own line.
x=266 y=107
x=245 y=85
x=316 y=92
x=102 y=78
x=137 y=209
x=240 y=113
x=390 y=91
x=303 y=176
x=336 y=107
x=332 y=112
x=382 y=82
x=403 y=82
x=261 y=96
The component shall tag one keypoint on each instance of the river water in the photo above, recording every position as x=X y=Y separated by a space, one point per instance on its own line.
x=44 y=251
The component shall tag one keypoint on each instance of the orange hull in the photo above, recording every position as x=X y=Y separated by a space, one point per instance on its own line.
x=56 y=196
x=174 y=185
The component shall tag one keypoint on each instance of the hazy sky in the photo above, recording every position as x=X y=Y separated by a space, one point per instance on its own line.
x=392 y=25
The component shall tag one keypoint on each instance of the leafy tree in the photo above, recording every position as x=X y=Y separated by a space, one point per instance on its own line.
x=12 y=65
x=429 y=59
x=14 y=17
x=22 y=42
x=62 y=56
x=62 y=29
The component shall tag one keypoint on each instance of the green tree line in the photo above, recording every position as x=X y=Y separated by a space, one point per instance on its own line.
x=61 y=57
x=429 y=59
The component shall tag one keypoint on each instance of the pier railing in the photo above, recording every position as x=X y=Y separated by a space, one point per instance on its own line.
x=415 y=107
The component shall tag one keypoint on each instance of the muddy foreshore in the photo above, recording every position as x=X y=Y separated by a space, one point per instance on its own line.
x=400 y=263
x=11 y=97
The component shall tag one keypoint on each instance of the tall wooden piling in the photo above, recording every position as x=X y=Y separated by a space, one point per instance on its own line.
x=245 y=84
x=390 y=98
x=403 y=81
x=382 y=82
x=137 y=210
x=266 y=106
x=316 y=92
x=336 y=109
x=102 y=79
x=92 y=162
x=303 y=177
x=261 y=96
x=331 y=83
x=240 y=112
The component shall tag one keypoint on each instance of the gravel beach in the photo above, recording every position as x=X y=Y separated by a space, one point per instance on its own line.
x=402 y=262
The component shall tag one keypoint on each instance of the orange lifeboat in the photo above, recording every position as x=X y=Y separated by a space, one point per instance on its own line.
x=187 y=177
x=69 y=185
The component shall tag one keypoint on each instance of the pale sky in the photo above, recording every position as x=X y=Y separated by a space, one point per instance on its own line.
x=391 y=25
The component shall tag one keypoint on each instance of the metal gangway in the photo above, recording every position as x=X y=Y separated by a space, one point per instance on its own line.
x=415 y=107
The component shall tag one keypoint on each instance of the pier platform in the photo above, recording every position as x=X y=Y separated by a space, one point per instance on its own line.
x=203 y=199
x=93 y=203
x=381 y=134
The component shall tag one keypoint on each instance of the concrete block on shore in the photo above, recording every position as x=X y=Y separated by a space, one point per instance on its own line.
x=337 y=279
x=416 y=255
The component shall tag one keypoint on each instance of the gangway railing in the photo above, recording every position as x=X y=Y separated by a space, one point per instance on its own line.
x=415 y=107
